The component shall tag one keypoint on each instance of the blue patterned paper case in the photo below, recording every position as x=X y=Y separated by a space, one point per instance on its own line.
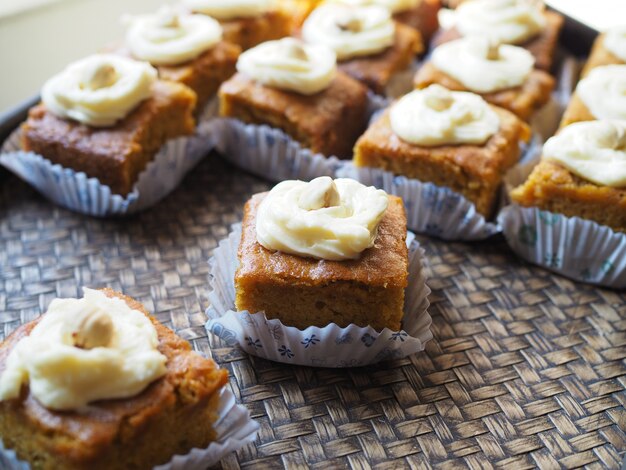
x=234 y=428
x=430 y=209
x=580 y=249
x=576 y=248
x=270 y=153
x=329 y=346
x=78 y=192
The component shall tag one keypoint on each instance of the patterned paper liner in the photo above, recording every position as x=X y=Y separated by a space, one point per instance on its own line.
x=234 y=429
x=330 y=346
x=446 y=214
x=78 y=192
x=576 y=248
x=402 y=82
x=210 y=111
x=430 y=209
x=269 y=152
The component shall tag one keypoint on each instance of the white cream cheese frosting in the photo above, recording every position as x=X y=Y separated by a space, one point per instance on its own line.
x=350 y=31
x=394 y=6
x=323 y=219
x=99 y=90
x=482 y=66
x=615 y=42
x=505 y=21
x=603 y=91
x=230 y=9
x=290 y=64
x=593 y=150
x=84 y=350
x=437 y=116
x=170 y=38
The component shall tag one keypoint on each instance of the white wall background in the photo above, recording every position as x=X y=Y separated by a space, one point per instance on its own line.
x=37 y=42
x=39 y=37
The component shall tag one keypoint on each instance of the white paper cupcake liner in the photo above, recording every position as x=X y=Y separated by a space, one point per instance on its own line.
x=78 y=192
x=430 y=209
x=234 y=428
x=579 y=249
x=329 y=346
x=576 y=248
x=210 y=110
x=402 y=82
x=269 y=152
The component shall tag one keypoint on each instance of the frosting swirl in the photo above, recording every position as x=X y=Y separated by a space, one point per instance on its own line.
x=350 y=32
x=169 y=38
x=483 y=67
x=99 y=90
x=231 y=9
x=504 y=21
x=436 y=116
x=323 y=219
x=615 y=42
x=394 y=6
x=84 y=350
x=289 y=64
x=593 y=150
x=603 y=91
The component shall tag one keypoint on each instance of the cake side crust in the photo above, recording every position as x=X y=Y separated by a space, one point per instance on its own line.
x=522 y=101
x=114 y=155
x=126 y=431
x=476 y=172
x=377 y=70
x=305 y=291
x=553 y=188
x=328 y=122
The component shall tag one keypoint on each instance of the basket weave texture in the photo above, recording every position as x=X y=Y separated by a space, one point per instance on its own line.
x=527 y=369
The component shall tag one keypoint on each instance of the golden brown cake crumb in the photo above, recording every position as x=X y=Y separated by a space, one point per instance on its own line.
x=542 y=47
x=328 y=122
x=114 y=155
x=250 y=32
x=553 y=188
x=205 y=73
x=422 y=18
x=377 y=70
x=474 y=171
x=171 y=416
x=302 y=291
x=576 y=111
x=522 y=101
x=599 y=56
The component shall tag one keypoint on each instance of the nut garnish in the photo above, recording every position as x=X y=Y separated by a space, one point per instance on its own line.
x=493 y=51
x=101 y=76
x=320 y=192
x=93 y=328
x=349 y=22
x=439 y=98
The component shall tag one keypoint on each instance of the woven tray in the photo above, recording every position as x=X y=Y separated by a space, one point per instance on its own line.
x=526 y=369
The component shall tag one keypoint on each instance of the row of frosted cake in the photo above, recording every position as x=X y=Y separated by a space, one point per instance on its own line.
x=320 y=95
x=460 y=130
x=95 y=115
x=572 y=217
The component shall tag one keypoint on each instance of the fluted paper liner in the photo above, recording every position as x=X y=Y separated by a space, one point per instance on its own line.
x=78 y=192
x=269 y=152
x=576 y=248
x=402 y=81
x=430 y=209
x=440 y=211
x=234 y=428
x=329 y=346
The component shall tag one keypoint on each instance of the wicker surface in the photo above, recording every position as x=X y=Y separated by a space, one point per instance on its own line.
x=526 y=368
